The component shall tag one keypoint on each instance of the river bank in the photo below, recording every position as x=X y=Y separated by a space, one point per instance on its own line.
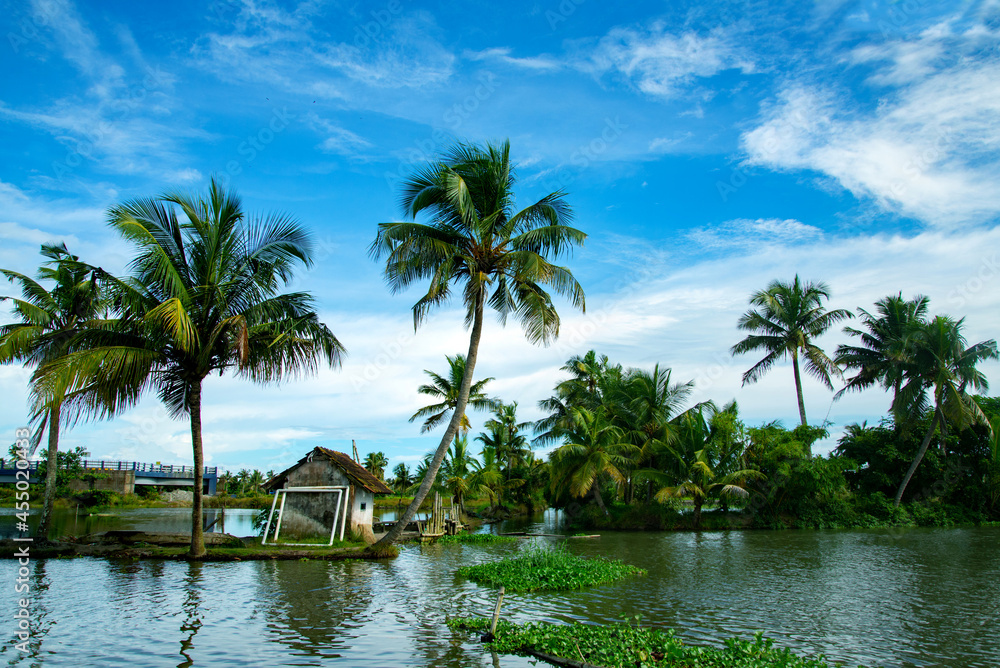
x=220 y=548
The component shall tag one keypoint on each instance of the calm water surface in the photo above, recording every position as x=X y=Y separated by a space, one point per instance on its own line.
x=901 y=598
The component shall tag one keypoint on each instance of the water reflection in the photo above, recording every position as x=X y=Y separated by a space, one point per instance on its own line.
x=918 y=598
x=192 y=615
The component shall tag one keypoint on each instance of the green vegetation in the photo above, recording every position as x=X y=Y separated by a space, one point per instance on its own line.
x=476 y=538
x=202 y=298
x=49 y=321
x=476 y=238
x=627 y=646
x=537 y=568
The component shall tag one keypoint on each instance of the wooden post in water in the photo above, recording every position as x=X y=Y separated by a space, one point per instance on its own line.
x=496 y=613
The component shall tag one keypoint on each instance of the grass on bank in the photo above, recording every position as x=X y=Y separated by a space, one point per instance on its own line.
x=625 y=646
x=476 y=538
x=538 y=568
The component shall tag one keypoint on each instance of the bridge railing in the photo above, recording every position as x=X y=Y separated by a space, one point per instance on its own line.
x=111 y=465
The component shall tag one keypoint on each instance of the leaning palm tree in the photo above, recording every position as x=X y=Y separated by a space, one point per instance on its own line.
x=787 y=320
x=49 y=318
x=202 y=297
x=939 y=362
x=880 y=358
x=445 y=391
x=475 y=237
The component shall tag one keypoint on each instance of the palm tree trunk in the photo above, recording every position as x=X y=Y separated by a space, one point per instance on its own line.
x=449 y=435
x=598 y=498
x=51 y=471
x=798 y=392
x=197 y=534
x=919 y=456
x=697 y=513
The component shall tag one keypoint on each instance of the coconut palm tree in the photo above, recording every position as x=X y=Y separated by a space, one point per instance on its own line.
x=375 y=463
x=476 y=238
x=464 y=476
x=401 y=477
x=49 y=319
x=445 y=390
x=595 y=450
x=788 y=319
x=939 y=362
x=880 y=358
x=708 y=463
x=202 y=298
x=505 y=437
x=644 y=405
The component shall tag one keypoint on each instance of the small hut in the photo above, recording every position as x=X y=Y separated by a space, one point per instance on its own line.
x=324 y=468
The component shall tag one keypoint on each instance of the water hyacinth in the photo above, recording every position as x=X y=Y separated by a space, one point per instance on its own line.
x=538 y=568
x=623 y=645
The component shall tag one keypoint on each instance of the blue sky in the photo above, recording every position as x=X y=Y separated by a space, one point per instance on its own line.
x=707 y=149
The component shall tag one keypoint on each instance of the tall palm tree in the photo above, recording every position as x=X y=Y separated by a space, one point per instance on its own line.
x=49 y=319
x=880 y=357
x=203 y=297
x=589 y=377
x=595 y=450
x=375 y=463
x=787 y=320
x=939 y=362
x=476 y=238
x=446 y=390
x=464 y=476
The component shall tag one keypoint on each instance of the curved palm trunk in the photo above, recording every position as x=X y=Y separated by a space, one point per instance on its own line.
x=697 y=512
x=51 y=472
x=920 y=455
x=798 y=392
x=197 y=533
x=449 y=435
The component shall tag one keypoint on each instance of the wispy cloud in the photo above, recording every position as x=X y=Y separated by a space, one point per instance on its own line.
x=543 y=63
x=930 y=149
x=745 y=233
x=660 y=62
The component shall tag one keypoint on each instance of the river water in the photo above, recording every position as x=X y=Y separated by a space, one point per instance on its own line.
x=921 y=597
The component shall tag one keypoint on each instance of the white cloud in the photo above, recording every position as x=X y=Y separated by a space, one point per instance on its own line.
x=930 y=148
x=542 y=62
x=745 y=233
x=659 y=63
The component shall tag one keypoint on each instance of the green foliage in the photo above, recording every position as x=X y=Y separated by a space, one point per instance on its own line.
x=626 y=646
x=538 y=568
x=70 y=467
x=476 y=538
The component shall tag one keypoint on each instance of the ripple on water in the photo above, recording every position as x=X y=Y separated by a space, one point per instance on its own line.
x=912 y=598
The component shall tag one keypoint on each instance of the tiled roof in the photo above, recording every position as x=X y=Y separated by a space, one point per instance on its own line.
x=355 y=472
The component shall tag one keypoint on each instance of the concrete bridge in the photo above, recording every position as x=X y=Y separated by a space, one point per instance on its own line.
x=123 y=476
